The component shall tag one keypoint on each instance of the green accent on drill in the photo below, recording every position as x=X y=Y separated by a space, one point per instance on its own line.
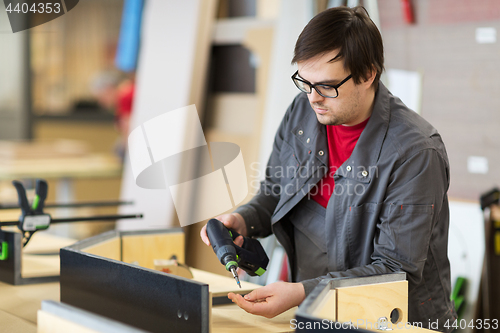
x=36 y=201
x=260 y=271
x=41 y=227
x=230 y=234
x=231 y=263
x=5 y=251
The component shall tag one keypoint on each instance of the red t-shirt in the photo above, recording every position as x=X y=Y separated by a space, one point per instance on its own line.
x=341 y=142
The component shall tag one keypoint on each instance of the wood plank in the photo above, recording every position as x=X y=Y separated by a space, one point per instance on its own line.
x=110 y=248
x=43 y=242
x=221 y=285
x=144 y=249
x=37 y=265
x=371 y=302
x=231 y=318
x=327 y=308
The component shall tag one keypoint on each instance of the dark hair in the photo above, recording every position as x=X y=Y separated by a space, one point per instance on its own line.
x=352 y=32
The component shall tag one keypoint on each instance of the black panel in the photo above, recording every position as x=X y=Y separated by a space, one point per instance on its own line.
x=140 y=297
x=231 y=70
x=239 y=8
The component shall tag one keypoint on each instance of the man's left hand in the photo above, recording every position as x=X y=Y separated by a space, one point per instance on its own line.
x=271 y=300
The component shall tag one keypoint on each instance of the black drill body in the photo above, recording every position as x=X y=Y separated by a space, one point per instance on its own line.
x=250 y=257
x=223 y=246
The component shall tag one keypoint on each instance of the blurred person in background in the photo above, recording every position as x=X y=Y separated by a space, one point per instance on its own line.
x=114 y=91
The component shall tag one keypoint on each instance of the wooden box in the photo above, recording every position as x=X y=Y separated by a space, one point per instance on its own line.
x=362 y=304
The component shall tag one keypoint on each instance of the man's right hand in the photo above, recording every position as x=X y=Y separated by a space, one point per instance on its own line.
x=232 y=221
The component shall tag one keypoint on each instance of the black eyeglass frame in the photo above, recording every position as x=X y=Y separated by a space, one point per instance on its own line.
x=313 y=86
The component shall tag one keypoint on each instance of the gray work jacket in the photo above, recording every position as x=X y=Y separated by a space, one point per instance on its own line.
x=389 y=211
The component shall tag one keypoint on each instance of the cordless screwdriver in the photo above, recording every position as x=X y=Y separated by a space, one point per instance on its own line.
x=223 y=246
x=250 y=257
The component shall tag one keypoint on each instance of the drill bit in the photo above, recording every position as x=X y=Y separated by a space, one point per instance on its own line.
x=233 y=270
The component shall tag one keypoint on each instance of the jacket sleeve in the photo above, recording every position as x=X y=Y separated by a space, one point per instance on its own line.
x=258 y=211
x=413 y=202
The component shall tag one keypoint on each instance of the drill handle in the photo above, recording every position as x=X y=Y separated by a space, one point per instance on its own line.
x=252 y=257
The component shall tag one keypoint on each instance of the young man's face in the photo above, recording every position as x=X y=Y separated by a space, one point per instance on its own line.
x=354 y=102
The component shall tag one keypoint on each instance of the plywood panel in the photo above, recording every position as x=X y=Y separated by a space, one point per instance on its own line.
x=371 y=302
x=327 y=308
x=221 y=285
x=109 y=249
x=37 y=265
x=231 y=318
x=43 y=242
x=144 y=249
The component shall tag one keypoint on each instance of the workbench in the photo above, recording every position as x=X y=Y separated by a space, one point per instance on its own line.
x=19 y=304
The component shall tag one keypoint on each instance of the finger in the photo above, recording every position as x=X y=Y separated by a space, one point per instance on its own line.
x=258 y=294
x=239 y=241
x=225 y=220
x=204 y=236
x=261 y=308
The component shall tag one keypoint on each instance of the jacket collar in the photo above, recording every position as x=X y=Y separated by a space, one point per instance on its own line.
x=367 y=151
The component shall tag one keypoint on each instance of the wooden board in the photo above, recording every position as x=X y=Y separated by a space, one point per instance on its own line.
x=144 y=249
x=110 y=248
x=34 y=265
x=43 y=242
x=371 y=302
x=231 y=318
x=221 y=285
x=327 y=308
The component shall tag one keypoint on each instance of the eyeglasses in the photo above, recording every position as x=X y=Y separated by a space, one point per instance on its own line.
x=325 y=90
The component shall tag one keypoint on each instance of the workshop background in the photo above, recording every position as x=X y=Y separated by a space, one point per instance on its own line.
x=70 y=87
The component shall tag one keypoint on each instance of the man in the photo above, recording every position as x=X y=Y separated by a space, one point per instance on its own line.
x=367 y=191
